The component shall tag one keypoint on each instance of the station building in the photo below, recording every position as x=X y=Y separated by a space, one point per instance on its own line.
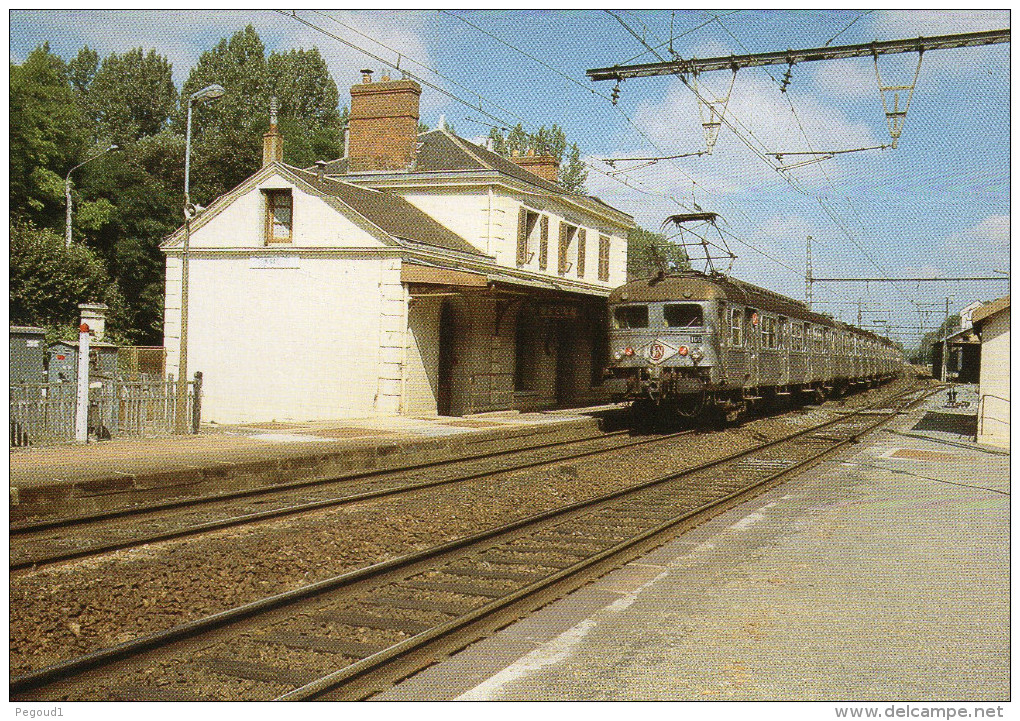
x=421 y=274
x=991 y=322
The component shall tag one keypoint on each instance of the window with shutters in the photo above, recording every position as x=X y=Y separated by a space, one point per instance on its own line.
x=527 y=223
x=543 y=243
x=567 y=235
x=581 y=239
x=279 y=216
x=603 y=257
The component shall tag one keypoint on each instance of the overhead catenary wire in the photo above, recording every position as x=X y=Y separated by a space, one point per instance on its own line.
x=492 y=114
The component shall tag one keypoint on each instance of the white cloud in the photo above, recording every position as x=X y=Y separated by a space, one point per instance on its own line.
x=912 y=23
x=182 y=36
x=978 y=250
x=763 y=117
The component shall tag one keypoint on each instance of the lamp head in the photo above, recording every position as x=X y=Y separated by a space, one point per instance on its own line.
x=211 y=92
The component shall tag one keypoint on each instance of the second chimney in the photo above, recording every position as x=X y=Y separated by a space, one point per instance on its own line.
x=272 y=142
x=383 y=125
x=544 y=166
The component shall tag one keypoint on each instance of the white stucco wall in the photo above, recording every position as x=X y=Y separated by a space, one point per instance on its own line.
x=508 y=207
x=312 y=329
x=487 y=218
x=993 y=410
x=241 y=224
x=291 y=343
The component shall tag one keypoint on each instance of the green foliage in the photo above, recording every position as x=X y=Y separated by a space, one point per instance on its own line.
x=547 y=141
x=923 y=354
x=48 y=281
x=130 y=96
x=126 y=203
x=648 y=253
x=45 y=136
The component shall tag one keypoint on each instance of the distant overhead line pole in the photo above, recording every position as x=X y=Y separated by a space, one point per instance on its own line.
x=792 y=57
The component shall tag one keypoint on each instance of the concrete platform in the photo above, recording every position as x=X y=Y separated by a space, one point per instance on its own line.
x=80 y=479
x=881 y=575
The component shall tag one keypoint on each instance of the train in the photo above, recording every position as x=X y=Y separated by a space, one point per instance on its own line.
x=709 y=345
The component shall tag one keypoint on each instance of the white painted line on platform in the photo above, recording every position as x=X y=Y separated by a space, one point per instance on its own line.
x=748 y=520
x=289 y=438
x=552 y=652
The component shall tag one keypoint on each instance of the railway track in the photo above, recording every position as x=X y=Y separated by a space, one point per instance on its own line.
x=54 y=541
x=352 y=635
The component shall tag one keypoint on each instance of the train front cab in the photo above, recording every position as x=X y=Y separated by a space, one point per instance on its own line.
x=661 y=348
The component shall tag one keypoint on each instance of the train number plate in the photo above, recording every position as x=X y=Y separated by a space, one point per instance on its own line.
x=657 y=351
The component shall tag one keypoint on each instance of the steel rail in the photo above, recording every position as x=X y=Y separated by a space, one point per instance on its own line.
x=248 y=518
x=329 y=683
x=128 y=649
x=68 y=521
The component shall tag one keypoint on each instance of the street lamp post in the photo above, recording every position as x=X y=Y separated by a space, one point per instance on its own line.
x=206 y=94
x=67 y=192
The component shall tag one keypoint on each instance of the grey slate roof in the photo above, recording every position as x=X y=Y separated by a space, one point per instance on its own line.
x=441 y=151
x=390 y=212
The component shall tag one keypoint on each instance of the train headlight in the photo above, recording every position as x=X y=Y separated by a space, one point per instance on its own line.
x=682 y=350
x=697 y=354
x=618 y=355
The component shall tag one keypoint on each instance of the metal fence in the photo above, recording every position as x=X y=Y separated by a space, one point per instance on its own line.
x=44 y=413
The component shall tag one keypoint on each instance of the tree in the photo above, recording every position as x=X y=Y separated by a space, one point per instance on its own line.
x=46 y=138
x=130 y=96
x=648 y=253
x=547 y=141
x=310 y=122
x=923 y=354
x=227 y=134
x=49 y=280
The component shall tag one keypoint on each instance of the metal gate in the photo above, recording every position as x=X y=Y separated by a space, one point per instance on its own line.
x=44 y=413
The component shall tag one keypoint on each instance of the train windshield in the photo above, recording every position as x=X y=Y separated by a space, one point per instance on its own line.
x=630 y=316
x=683 y=315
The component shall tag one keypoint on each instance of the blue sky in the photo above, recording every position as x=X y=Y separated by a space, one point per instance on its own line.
x=937 y=205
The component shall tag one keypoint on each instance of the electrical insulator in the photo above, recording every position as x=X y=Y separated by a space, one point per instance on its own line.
x=616 y=92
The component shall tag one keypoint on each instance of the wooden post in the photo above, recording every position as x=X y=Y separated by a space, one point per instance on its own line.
x=196 y=403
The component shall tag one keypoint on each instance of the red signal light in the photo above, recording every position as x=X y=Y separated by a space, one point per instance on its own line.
x=683 y=350
x=628 y=351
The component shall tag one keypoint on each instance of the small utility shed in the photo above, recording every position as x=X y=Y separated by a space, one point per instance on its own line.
x=992 y=324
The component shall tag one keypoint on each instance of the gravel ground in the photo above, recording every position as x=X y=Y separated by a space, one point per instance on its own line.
x=63 y=611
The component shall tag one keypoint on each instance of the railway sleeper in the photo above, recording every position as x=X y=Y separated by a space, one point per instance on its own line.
x=507 y=560
x=418 y=604
x=325 y=644
x=235 y=668
x=379 y=623
x=494 y=574
x=461 y=589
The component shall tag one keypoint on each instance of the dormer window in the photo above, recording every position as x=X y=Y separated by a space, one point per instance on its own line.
x=279 y=216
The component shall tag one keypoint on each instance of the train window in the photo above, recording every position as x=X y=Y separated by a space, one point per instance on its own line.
x=683 y=315
x=736 y=327
x=768 y=332
x=630 y=316
x=796 y=337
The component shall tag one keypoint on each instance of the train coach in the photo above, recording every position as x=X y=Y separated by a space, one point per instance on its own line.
x=698 y=344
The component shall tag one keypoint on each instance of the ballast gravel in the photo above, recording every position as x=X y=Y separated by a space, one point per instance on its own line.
x=64 y=611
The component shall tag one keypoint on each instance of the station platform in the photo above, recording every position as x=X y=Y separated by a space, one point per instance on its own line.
x=880 y=574
x=96 y=477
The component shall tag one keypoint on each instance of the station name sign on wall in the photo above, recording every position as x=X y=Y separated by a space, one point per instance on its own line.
x=274 y=261
x=557 y=312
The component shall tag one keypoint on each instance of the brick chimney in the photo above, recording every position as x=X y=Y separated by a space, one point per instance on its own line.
x=544 y=166
x=383 y=126
x=272 y=142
